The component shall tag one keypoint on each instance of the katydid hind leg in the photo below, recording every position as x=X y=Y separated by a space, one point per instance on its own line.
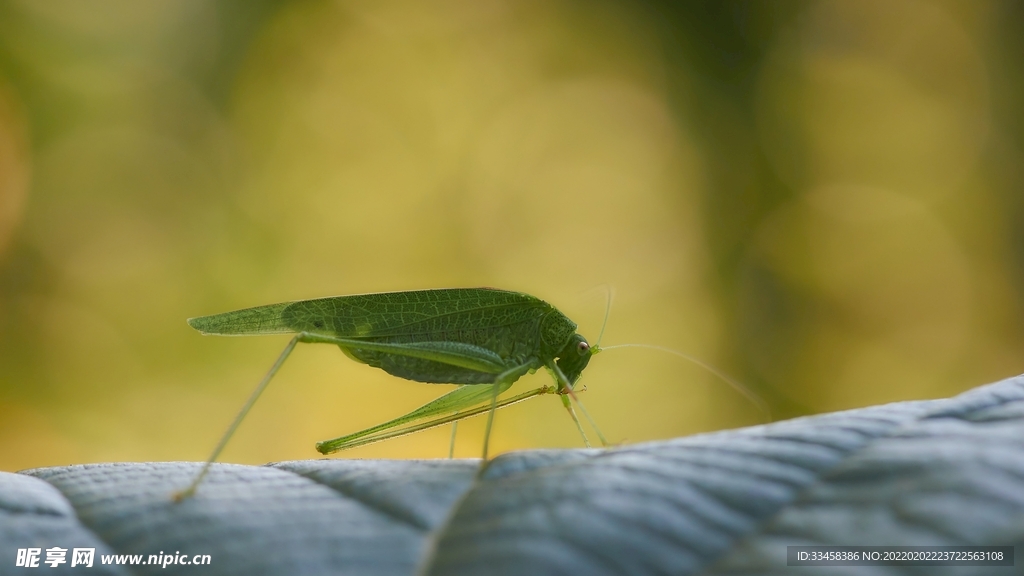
x=191 y=489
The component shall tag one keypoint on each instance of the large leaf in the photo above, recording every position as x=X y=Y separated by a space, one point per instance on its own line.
x=912 y=473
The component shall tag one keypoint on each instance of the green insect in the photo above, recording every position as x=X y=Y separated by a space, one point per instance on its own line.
x=481 y=338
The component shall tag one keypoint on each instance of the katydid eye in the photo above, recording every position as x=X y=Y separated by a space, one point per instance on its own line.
x=583 y=348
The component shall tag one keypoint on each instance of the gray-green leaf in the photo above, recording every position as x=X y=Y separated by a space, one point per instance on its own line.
x=912 y=473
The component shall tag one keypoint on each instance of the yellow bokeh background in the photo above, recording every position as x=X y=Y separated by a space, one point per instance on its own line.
x=821 y=199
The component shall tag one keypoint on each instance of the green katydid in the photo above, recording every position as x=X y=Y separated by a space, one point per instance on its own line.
x=466 y=336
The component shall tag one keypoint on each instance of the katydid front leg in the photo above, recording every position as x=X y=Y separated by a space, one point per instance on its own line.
x=565 y=389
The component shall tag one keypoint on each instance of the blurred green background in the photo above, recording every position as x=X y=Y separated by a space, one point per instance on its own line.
x=823 y=199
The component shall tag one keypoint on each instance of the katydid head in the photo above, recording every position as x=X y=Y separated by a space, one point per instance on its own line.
x=574 y=357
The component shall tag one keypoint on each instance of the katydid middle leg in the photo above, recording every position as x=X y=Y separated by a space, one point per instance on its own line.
x=451 y=444
x=510 y=375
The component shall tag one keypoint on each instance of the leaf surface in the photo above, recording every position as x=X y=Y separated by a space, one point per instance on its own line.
x=932 y=472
